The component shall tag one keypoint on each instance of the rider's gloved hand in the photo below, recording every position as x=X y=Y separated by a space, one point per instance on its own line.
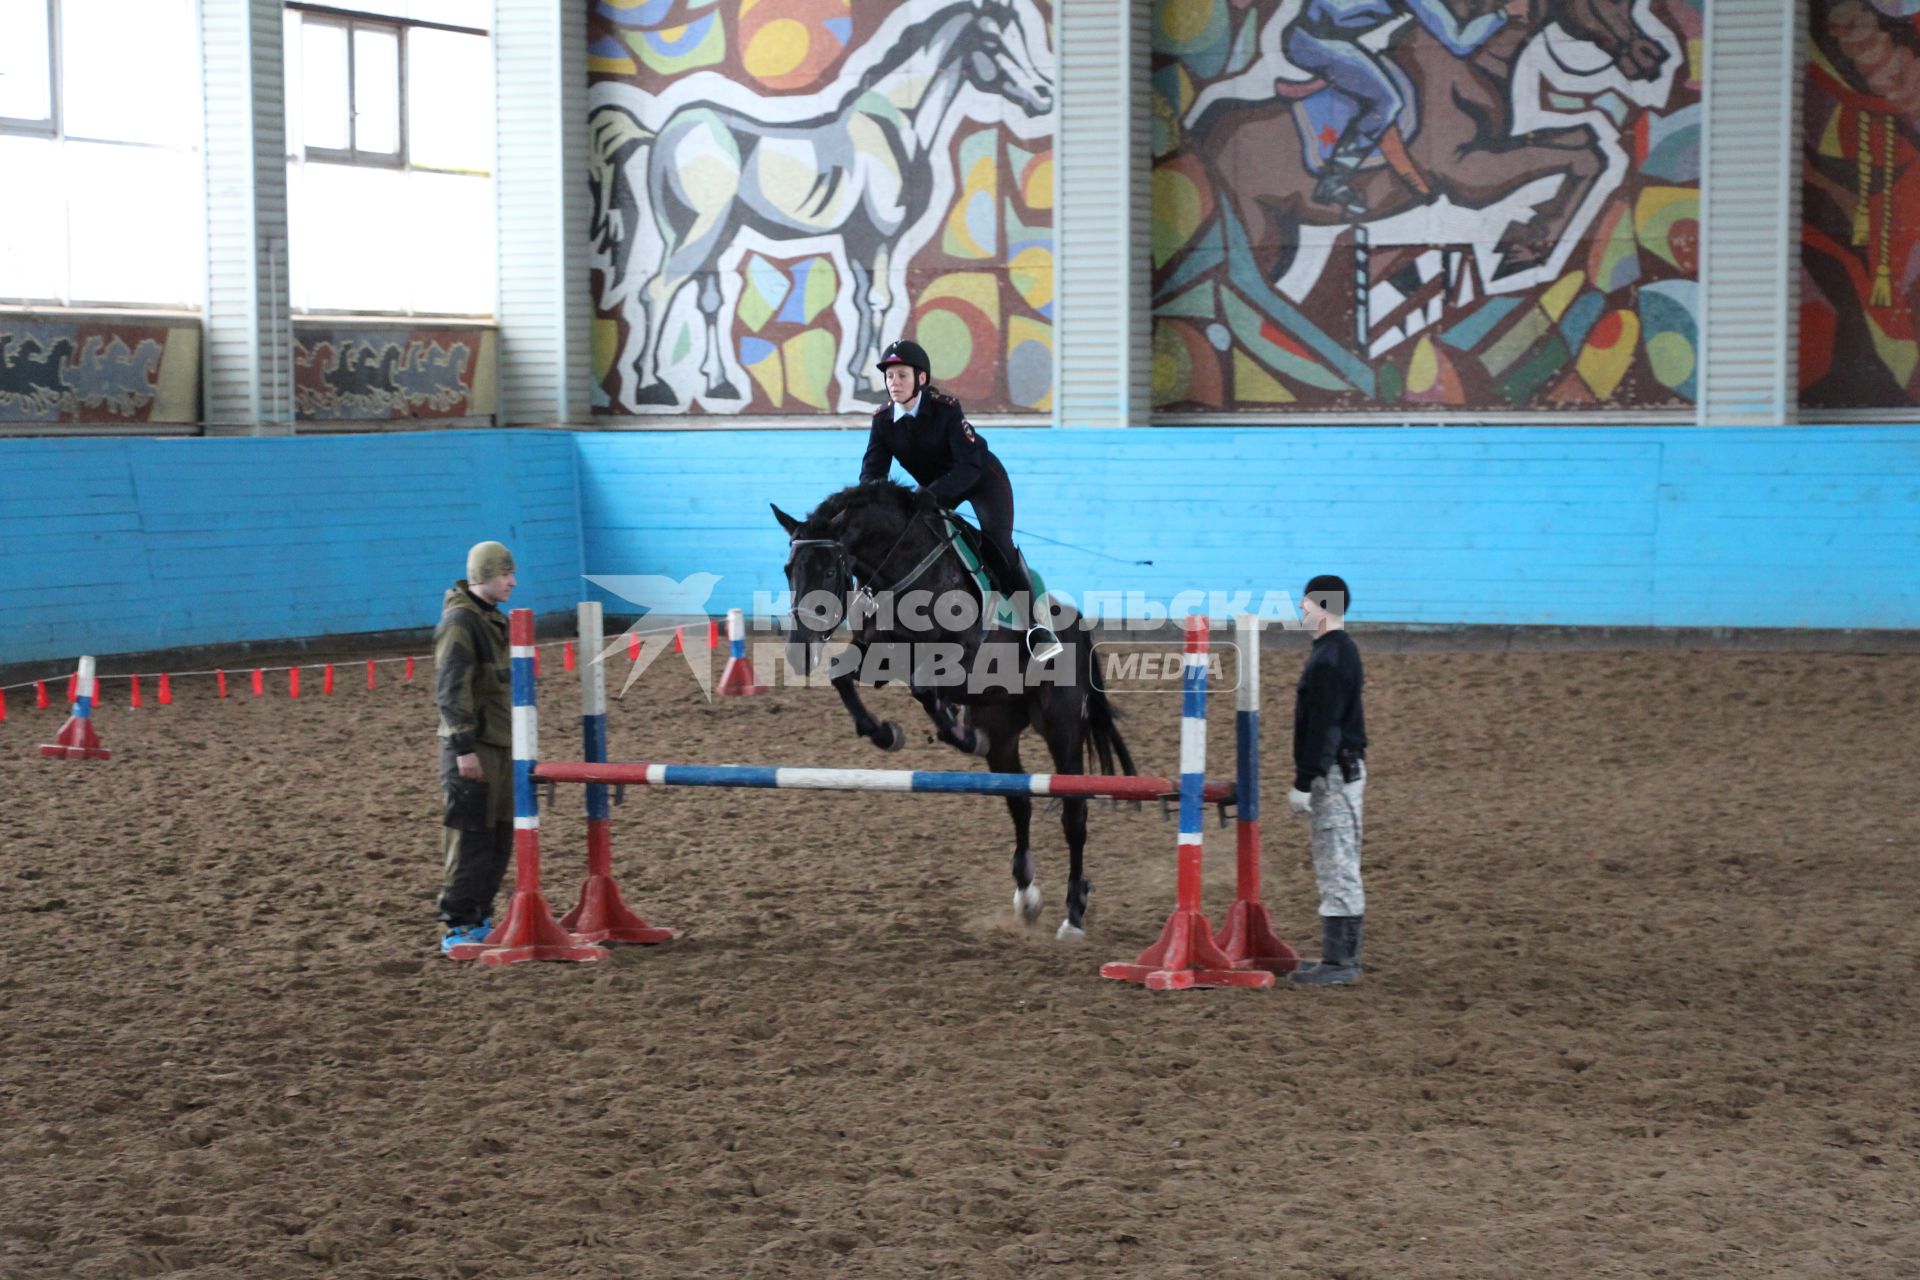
x=929 y=499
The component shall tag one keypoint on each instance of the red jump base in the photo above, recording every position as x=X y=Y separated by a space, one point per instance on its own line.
x=76 y=741
x=601 y=916
x=529 y=933
x=1185 y=957
x=1246 y=936
x=737 y=680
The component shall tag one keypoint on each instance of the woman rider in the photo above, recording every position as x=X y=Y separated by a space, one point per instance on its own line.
x=925 y=430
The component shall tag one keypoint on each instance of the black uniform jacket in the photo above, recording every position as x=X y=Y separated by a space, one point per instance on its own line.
x=937 y=445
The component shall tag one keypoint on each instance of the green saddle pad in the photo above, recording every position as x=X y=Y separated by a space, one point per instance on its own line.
x=999 y=613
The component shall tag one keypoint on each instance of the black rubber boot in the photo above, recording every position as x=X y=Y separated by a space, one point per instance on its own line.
x=1339 y=964
x=1335 y=186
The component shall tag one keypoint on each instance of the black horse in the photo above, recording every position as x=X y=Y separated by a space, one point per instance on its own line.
x=871 y=551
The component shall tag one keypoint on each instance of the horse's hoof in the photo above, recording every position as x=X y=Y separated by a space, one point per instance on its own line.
x=890 y=736
x=1026 y=902
x=1070 y=932
x=981 y=745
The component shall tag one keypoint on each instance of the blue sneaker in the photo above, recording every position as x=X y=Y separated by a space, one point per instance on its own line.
x=459 y=935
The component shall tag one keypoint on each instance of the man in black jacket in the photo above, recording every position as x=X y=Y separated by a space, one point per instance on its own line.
x=1330 y=778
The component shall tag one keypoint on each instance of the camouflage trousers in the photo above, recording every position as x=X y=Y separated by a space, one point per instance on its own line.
x=477 y=840
x=1335 y=820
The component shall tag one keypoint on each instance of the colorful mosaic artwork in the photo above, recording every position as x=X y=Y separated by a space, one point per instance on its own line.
x=368 y=374
x=1496 y=211
x=97 y=369
x=782 y=187
x=1860 y=230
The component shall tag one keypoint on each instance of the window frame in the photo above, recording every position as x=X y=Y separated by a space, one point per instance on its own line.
x=52 y=129
x=351 y=153
x=352 y=156
x=353 y=20
x=49 y=125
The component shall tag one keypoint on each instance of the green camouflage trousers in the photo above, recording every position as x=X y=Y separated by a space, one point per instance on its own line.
x=1335 y=819
x=478 y=821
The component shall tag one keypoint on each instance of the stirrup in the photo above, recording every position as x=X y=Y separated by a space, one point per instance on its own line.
x=1042 y=644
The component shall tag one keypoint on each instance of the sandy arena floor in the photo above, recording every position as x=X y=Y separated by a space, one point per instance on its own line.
x=1641 y=1001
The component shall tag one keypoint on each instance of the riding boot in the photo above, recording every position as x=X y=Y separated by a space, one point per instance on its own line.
x=1042 y=644
x=1339 y=964
x=1336 y=180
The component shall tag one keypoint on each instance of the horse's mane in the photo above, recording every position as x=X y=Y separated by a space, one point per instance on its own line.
x=887 y=493
x=910 y=40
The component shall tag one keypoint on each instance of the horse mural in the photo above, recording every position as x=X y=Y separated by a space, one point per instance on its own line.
x=1496 y=172
x=860 y=175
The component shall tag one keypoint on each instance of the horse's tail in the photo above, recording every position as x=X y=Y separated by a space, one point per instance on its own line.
x=1103 y=735
x=613 y=134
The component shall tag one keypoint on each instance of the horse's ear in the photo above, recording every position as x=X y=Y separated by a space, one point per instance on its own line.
x=787 y=522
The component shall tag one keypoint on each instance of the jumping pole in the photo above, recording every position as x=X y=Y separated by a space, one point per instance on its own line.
x=77 y=739
x=631 y=773
x=600 y=915
x=1186 y=955
x=737 y=679
x=1246 y=932
x=529 y=931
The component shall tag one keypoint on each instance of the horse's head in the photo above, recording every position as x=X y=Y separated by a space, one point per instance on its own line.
x=820 y=577
x=1611 y=27
x=999 y=54
x=849 y=534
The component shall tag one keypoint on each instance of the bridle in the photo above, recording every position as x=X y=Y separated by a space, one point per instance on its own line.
x=858 y=572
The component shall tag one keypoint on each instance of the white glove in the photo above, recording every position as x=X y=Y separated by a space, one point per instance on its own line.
x=1301 y=802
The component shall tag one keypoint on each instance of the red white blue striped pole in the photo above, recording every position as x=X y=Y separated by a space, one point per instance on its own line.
x=1246 y=932
x=600 y=915
x=635 y=773
x=529 y=932
x=1185 y=955
x=77 y=739
x=737 y=680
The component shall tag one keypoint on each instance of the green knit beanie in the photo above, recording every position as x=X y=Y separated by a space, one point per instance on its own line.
x=488 y=560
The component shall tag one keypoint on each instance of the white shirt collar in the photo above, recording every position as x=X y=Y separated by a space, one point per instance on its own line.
x=905 y=410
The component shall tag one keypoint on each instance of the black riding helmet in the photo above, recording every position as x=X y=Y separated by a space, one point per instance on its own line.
x=907 y=352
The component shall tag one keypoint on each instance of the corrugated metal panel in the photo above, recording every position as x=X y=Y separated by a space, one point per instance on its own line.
x=540 y=185
x=1102 y=134
x=248 y=352
x=1750 y=234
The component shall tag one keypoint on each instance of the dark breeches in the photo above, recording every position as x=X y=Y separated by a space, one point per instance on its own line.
x=992 y=499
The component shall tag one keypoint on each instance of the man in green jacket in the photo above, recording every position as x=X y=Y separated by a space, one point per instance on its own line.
x=473 y=685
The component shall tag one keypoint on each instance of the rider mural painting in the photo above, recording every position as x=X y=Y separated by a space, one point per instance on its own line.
x=926 y=431
x=1325 y=40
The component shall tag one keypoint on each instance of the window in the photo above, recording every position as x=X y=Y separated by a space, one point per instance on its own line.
x=389 y=171
x=99 y=141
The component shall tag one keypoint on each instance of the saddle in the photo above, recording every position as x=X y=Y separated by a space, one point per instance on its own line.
x=971 y=546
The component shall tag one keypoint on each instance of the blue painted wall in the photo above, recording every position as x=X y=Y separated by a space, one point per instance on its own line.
x=1680 y=526
x=110 y=546
x=115 y=545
